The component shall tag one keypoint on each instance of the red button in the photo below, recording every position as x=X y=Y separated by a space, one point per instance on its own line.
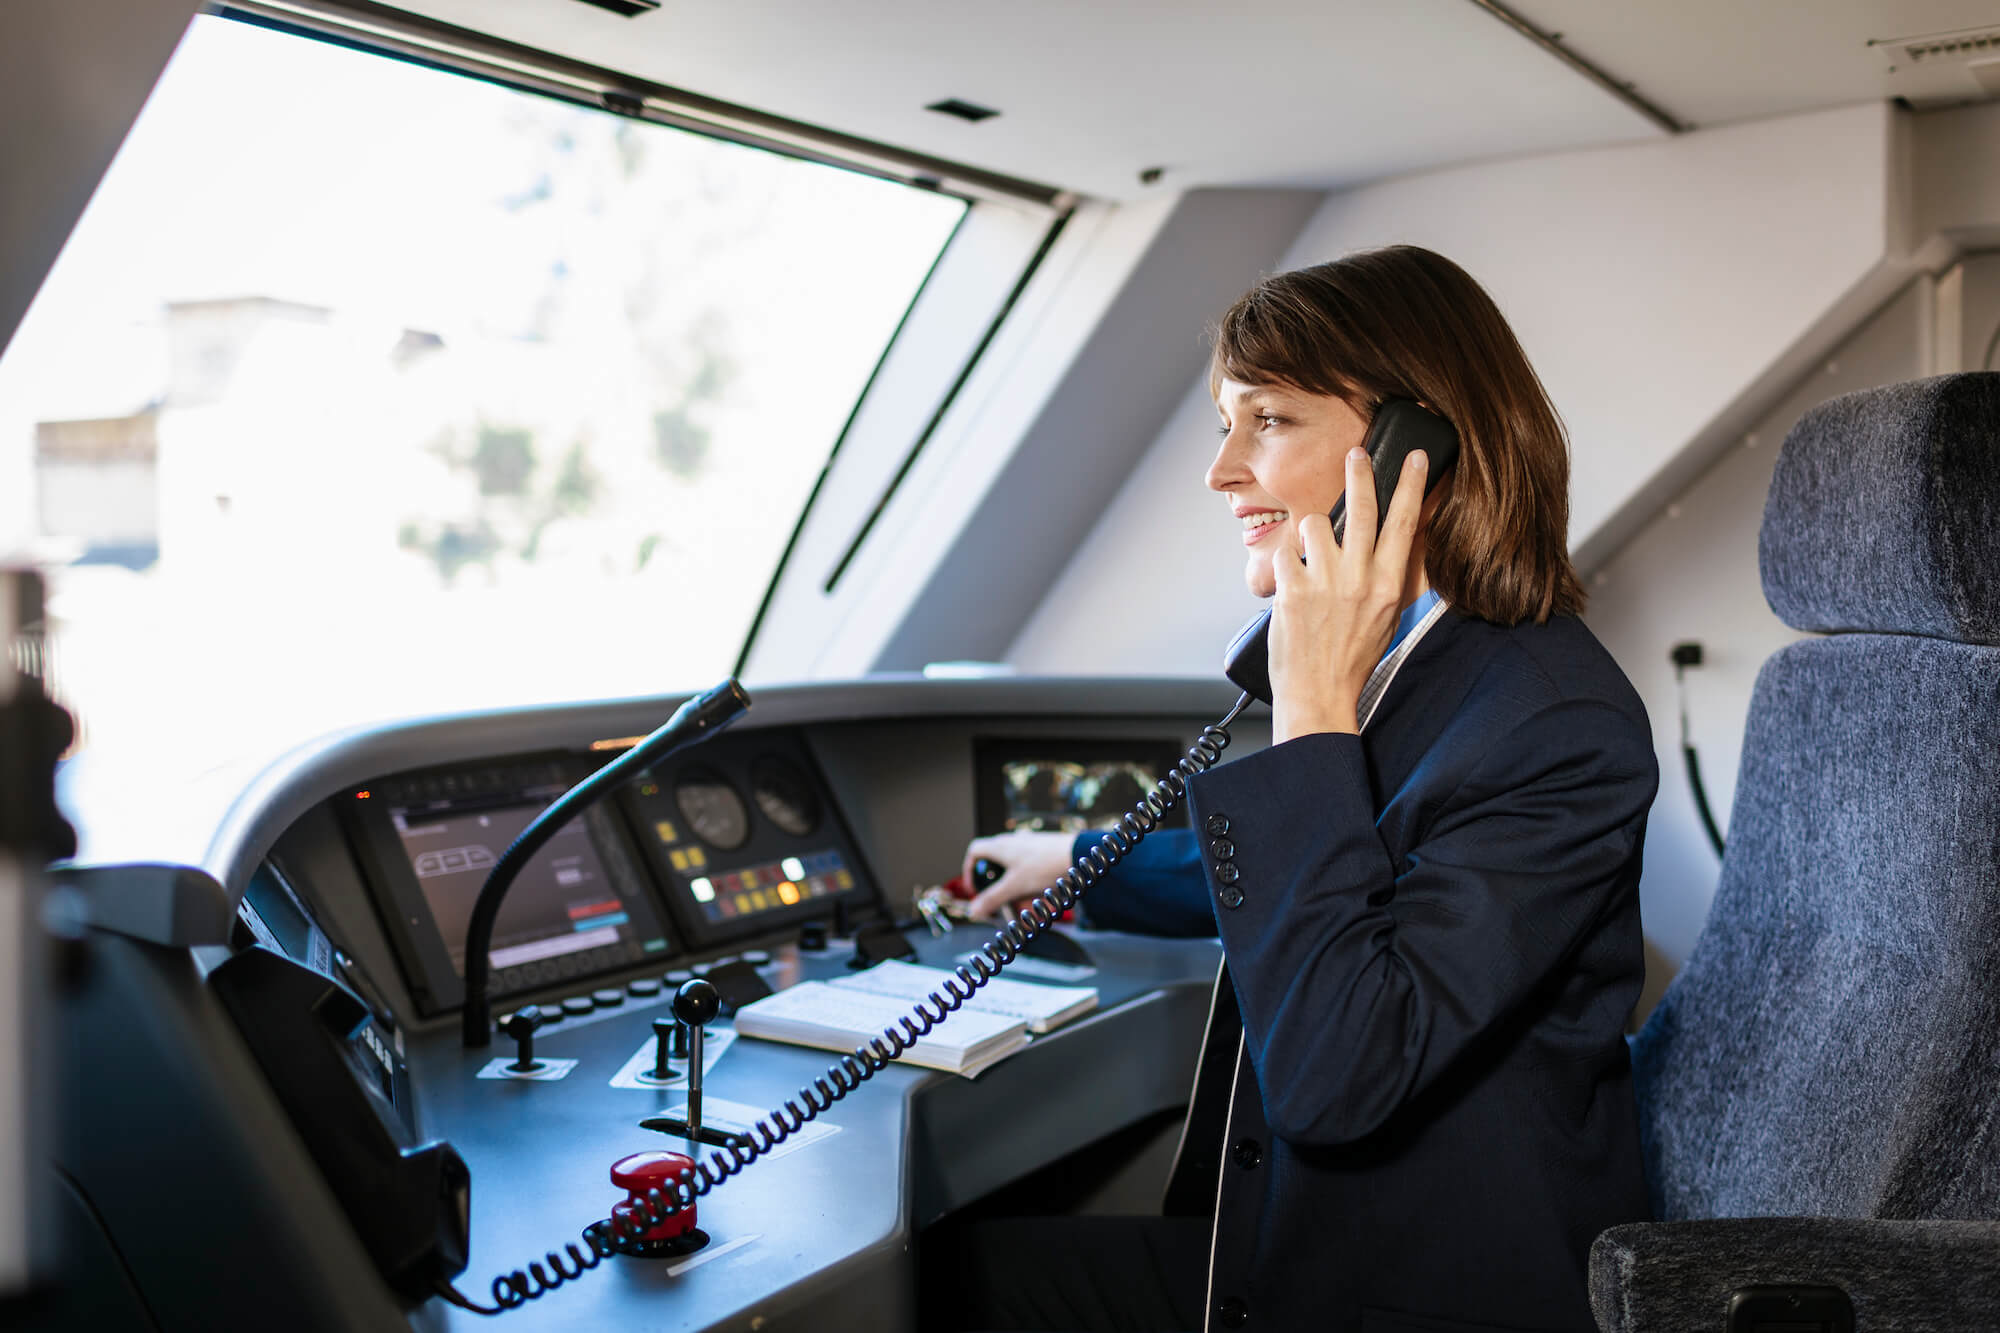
x=653 y=1171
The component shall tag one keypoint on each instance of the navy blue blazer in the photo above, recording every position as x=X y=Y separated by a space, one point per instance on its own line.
x=1415 y=1089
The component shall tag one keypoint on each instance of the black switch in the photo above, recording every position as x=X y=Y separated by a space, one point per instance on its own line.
x=664 y=1040
x=521 y=1025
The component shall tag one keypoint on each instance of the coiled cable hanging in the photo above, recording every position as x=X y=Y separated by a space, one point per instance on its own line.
x=600 y=1240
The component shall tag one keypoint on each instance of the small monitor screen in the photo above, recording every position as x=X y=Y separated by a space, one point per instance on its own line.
x=746 y=838
x=1066 y=786
x=563 y=902
x=578 y=907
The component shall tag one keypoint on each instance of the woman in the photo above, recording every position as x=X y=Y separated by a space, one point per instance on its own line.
x=1416 y=1094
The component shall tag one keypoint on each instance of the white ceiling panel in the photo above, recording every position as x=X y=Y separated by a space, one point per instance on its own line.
x=1263 y=92
x=1716 y=61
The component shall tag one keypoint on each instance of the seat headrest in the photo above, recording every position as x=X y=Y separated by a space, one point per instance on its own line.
x=1884 y=513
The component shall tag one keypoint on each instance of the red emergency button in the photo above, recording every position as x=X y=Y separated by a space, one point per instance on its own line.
x=674 y=1231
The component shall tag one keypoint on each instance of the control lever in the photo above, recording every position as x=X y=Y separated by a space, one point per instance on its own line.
x=521 y=1025
x=1051 y=945
x=664 y=1030
x=695 y=1005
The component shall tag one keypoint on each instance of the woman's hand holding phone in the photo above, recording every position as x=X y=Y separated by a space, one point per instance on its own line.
x=1336 y=606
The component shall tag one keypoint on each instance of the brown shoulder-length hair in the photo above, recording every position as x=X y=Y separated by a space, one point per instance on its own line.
x=1404 y=322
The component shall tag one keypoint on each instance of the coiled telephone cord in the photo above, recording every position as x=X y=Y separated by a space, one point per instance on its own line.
x=601 y=1239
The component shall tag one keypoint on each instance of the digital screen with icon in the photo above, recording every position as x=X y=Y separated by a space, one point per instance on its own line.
x=1065 y=786
x=579 y=907
x=745 y=839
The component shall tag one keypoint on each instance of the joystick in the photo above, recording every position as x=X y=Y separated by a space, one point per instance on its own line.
x=695 y=1005
x=648 y=1181
x=521 y=1025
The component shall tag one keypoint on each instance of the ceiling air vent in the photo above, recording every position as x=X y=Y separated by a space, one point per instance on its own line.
x=966 y=111
x=1951 y=45
x=631 y=9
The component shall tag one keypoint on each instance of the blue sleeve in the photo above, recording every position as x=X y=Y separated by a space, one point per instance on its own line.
x=1159 y=889
x=1361 y=976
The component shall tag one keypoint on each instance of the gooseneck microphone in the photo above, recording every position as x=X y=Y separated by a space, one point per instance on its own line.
x=695 y=720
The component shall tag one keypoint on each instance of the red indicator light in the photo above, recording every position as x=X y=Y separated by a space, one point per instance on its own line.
x=361 y=796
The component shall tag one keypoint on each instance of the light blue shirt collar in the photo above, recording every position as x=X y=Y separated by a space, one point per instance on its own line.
x=1413 y=613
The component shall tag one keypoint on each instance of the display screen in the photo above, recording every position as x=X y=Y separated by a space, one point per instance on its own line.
x=563 y=902
x=578 y=907
x=1066 y=787
x=746 y=839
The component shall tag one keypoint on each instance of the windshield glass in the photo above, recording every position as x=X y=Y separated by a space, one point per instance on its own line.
x=366 y=390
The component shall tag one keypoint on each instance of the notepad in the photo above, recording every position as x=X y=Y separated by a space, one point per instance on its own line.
x=1040 y=1007
x=840 y=1018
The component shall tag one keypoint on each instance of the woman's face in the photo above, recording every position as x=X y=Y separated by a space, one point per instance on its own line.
x=1283 y=456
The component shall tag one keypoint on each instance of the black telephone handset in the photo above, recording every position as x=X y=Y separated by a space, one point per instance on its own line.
x=1401 y=426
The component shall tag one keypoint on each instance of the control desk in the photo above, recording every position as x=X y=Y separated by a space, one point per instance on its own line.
x=269 y=1106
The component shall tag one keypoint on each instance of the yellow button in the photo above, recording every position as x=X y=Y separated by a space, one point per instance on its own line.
x=666 y=831
x=697 y=857
x=679 y=859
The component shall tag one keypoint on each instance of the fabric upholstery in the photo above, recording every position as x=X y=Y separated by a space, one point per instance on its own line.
x=1884 y=513
x=1829 y=1047
x=1913 y=1277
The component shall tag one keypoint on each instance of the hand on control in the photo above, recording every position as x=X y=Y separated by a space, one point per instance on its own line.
x=1033 y=860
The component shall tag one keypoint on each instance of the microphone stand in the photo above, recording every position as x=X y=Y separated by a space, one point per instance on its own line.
x=695 y=720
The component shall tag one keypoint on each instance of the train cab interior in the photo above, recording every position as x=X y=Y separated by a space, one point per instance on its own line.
x=538 y=532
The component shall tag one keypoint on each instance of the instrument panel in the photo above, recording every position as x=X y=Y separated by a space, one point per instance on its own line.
x=740 y=840
x=338 y=1164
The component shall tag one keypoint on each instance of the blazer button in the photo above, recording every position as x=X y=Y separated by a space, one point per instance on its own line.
x=1247 y=1153
x=1232 y=1313
x=1216 y=825
x=1231 y=896
x=1222 y=849
x=1226 y=872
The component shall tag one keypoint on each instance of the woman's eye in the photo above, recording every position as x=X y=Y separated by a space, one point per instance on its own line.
x=1223 y=430
x=1265 y=418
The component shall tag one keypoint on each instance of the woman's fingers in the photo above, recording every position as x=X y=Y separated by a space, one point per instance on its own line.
x=1359 y=542
x=1008 y=889
x=1031 y=862
x=1316 y=540
x=1399 y=530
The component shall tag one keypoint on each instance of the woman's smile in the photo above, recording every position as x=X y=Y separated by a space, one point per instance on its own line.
x=1261 y=524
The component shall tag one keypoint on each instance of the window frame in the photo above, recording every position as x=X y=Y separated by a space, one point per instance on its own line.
x=1008 y=229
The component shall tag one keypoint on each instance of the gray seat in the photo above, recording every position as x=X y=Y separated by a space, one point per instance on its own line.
x=1819 y=1088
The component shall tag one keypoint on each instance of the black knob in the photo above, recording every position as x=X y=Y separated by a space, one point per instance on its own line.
x=986 y=873
x=812 y=937
x=521 y=1025
x=696 y=1003
x=664 y=1041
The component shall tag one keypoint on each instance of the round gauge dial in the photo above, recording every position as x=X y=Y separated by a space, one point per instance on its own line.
x=712 y=809
x=785 y=795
